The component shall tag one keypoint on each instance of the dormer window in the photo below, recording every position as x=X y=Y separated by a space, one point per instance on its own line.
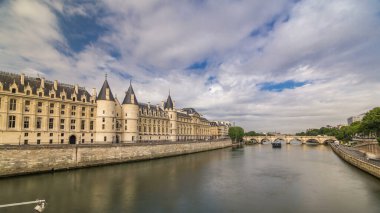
x=27 y=92
x=52 y=96
x=14 y=90
x=73 y=98
x=83 y=100
x=63 y=97
x=40 y=94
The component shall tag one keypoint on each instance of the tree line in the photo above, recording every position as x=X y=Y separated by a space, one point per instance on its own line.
x=369 y=126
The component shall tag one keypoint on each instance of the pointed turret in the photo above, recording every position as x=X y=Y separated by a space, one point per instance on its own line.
x=130 y=97
x=105 y=92
x=169 y=103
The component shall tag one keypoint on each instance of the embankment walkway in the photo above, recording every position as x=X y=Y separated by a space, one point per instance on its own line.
x=357 y=158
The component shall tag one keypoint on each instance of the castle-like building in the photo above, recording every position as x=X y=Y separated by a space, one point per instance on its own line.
x=38 y=111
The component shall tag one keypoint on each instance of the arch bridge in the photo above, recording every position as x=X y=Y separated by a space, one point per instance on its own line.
x=289 y=138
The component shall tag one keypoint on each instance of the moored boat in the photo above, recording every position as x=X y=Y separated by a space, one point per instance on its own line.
x=276 y=144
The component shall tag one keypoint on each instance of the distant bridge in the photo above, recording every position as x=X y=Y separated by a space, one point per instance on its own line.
x=289 y=138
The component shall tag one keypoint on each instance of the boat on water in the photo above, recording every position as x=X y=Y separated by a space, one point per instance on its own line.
x=276 y=144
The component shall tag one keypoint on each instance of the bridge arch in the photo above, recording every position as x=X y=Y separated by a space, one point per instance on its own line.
x=312 y=141
x=264 y=140
x=296 y=141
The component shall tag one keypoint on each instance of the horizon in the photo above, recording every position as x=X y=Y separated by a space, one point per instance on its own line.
x=282 y=66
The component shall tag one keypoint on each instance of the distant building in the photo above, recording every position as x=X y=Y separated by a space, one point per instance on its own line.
x=219 y=129
x=38 y=111
x=353 y=119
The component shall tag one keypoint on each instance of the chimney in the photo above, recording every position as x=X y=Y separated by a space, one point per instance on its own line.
x=107 y=93
x=162 y=104
x=173 y=104
x=148 y=105
x=157 y=106
x=76 y=87
x=132 y=99
x=43 y=82
x=93 y=91
x=55 y=85
x=22 y=79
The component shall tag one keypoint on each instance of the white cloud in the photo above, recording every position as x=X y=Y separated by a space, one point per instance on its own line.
x=334 y=45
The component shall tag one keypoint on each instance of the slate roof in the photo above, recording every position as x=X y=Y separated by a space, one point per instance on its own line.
x=169 y=103
x=102 y=94
x=128 y=94
x=7 y=80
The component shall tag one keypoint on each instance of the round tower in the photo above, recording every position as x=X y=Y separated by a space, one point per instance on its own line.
x=105 y=115
x=130 y=114
x=170 y=109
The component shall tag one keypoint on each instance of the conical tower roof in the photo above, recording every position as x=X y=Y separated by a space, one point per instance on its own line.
x=169 y=103
x=103 y=95
x=128 y=96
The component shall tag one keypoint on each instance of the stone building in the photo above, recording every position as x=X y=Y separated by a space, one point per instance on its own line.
x=38 y=111
x=219 y=129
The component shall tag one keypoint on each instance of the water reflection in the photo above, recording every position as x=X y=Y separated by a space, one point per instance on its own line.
x=255 y=178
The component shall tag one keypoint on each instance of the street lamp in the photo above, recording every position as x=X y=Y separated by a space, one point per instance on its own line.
x=40 y=207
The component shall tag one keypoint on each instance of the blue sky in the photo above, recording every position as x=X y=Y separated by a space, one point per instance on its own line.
x=280 y=65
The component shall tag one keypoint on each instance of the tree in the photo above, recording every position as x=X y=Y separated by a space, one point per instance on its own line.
x=253 y=133
x=236 y=133
x=371 y=122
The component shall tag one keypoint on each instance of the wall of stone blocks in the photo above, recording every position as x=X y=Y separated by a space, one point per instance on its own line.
x=18 y=160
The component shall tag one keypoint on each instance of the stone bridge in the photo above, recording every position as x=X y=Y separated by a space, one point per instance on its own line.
x=289 y=138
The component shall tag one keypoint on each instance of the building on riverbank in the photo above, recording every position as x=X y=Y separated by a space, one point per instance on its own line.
x=38 y=111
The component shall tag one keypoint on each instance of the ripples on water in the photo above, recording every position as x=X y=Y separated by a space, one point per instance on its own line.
x=295 y=178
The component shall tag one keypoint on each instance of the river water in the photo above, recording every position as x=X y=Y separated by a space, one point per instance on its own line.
x=295 y=178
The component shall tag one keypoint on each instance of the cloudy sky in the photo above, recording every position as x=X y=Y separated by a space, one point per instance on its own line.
x=273 y=65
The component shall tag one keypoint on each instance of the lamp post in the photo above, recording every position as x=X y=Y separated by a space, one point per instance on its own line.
x=40 y=207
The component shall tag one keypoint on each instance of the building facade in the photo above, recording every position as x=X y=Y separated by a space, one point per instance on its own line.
x=38 y=111
x=355 y=118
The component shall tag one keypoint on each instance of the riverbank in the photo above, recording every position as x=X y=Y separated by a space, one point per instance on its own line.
x=21 y=160
x=357 y=159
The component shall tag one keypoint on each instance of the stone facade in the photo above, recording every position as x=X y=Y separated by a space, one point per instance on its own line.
x=37 y=111
x=17 y=160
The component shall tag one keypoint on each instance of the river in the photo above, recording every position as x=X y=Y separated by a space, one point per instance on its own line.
x=295 y=178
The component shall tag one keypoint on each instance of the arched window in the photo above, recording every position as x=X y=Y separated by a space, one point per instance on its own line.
x=73 y=98
x=14 y=90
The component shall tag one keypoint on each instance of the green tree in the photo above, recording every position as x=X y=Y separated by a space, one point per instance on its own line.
x=371 y=122
x=236 y=133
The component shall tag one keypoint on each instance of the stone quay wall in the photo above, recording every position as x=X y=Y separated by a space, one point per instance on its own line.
x=359 y=162
x=27 y=159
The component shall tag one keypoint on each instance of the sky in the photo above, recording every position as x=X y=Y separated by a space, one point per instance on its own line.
x=274 y=65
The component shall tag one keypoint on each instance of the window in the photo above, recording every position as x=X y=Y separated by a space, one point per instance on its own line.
x=51 y=134
x=62 y=134
x=28 y=92
x=61 y=140
x=72 y=126
x=103 y=126
x=25 y=142
x=83 y=111
x=73 y=108
x=63 y=109
x=52 y=96
x=38 y=141
x=51 y=108
x=26 y=134
x=104 y=119
x=62 y=125
x=73 y=98
x=26 y=122
x=51 y=141
x=40 y=94
x=39 y=104
x=27 y=105
x=12 y=104
x=39 y=134
x=12 y=121
x=92 y=140
x=104 y=112
x=91 y=125
x=38 y=123
x=51 y=123
x=105 y=138
x=63 y=97
x=82 y=124
x=13 y=90
x=83 y=100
